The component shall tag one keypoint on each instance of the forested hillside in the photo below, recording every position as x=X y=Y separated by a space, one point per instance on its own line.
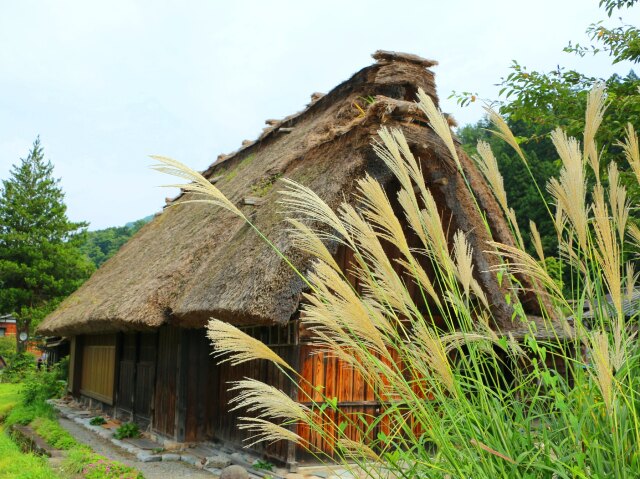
x=100 y=245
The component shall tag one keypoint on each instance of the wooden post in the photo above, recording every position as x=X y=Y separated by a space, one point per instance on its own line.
x=292 y=463
x=181 y=387
x=152 y=410
x=135 y=375
x=77 y=366
x=116 y=373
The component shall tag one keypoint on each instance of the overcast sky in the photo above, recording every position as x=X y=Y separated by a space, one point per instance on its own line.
x=107 y=83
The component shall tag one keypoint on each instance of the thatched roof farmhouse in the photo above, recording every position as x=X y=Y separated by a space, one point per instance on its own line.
x=138 y=346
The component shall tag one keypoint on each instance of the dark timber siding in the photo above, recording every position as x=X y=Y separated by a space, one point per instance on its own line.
x=165 y=401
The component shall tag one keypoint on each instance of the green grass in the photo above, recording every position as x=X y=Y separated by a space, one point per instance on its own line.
x=24 y=404
x=13 y=462
x=18 y=465
x=9 y=397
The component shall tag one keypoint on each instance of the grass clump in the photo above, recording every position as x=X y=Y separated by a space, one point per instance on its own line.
x=54 y=434
x=264 y=185
x=17 y=465
x=26 y=404
x=97 y=421
x=460 y=396
x=13 y=462
x=9 y=397
x=94 y=466
x=128 y=429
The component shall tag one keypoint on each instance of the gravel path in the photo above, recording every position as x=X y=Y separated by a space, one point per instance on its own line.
x=150 y=470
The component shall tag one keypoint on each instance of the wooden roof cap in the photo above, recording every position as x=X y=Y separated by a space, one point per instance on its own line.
x=389 y=56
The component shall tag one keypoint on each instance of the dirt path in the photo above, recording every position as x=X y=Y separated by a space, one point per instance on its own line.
x=150 y=470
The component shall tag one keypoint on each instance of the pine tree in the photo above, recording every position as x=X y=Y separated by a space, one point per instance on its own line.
x=40 y=259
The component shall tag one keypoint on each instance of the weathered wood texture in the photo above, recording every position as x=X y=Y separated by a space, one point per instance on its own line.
x=127 y=374
x=72 y=366
x=98 y=367
x=145 y=375
x=200 y=385
x=226 y=422
x=165 y=400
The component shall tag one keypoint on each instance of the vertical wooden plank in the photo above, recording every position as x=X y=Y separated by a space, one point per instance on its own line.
x=181 y=386
x=305 y=393
x=331 y=393
x=71 y=383
x=318 y=384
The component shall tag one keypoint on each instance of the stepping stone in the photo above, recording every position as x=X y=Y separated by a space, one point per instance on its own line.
x=171 y=457
x=144 y=457
x=142 y=443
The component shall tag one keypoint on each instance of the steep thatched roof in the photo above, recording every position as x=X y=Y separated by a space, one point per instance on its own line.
x=193 y=262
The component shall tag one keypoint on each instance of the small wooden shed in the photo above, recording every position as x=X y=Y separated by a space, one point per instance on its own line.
x=138 y=344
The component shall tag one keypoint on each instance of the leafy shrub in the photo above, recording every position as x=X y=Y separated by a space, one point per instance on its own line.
x=37 y=387
x=97 y=421
x=128 y=429
x=41 y=385
x=18 y=366
x=24 y=414
x=62 y=369
x=7 y=346
x=263 y=465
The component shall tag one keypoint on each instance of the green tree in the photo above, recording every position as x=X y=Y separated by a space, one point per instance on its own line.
x=40 y=259
x=536 y=102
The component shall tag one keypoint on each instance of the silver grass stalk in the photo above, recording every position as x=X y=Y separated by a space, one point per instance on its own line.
x=634 y=232
x=300 y=200
x=336 y=307
x=429 y=350
x=537 y=241
x=439 y=124
x=266 y=431
x=504 y=132
x=593 y=118
x=198 y=184
x=463 y=260
x=388 y=150
x=375 y=268
x=488 y=165
x=358 y=450
x=569 y=191
x=267 y=401
x=618 y=201
x=378 y=211
x=608 y=250
x=631 y=277
x=521 y=262
x=310 y=241
x=238 y=347
x=608 y=258
x=631 y=150
x=602 y=367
